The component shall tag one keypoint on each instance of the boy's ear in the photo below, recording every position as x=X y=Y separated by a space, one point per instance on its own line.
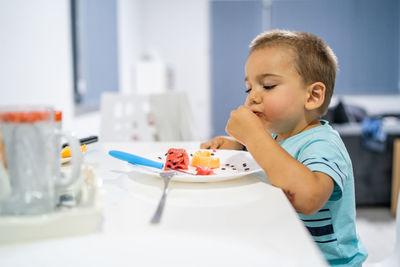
x=315 y=96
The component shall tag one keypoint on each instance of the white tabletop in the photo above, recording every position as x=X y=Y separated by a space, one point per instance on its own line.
x=240 y=222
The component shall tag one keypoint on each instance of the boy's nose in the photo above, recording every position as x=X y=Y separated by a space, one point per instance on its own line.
x=254 y=97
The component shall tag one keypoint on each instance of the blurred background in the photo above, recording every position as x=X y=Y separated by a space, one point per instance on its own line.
x=83 y=56
x=66 y=53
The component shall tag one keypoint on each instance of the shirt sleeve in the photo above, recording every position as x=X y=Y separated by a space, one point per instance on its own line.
x=323 y=156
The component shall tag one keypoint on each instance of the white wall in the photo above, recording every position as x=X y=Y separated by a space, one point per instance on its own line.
x=35 y=54
x=130 y=39
x=179 y=31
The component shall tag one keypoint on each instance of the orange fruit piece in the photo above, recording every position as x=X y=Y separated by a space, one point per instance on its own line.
x=66 y=151
x=203 y=158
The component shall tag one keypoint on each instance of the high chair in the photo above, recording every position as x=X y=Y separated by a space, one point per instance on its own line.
x=172 y=116
x=125 y=118
x=153 y=117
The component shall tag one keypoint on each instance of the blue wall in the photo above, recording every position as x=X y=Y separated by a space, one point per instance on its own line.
x=234 y=25
x=364 y=34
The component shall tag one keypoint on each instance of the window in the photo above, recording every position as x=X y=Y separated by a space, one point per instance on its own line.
x=95 y=55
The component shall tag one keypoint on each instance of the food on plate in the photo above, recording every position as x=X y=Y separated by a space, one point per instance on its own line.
x=204 y=171
x=177 y=158
x=66 y=151
x=204 y=158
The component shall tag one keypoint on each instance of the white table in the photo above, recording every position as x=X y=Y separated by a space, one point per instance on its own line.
x=241 y=222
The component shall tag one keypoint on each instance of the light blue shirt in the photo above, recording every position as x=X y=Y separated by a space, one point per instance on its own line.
x=333 y=227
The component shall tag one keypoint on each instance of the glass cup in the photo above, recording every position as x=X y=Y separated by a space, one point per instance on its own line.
x=30 y=168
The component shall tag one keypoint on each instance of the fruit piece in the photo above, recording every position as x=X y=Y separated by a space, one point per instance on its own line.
x=203 y=158
x=204 y=171
x=202 y=153
x=66 y=151
x=177 y=158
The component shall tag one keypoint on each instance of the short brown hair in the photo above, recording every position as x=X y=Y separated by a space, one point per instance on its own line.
x=314 y=59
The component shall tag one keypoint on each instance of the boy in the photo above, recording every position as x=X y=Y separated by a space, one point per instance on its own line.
x=290 y=78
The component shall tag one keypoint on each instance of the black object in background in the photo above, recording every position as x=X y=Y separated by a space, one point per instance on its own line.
x=344 y=113
x=85 y=140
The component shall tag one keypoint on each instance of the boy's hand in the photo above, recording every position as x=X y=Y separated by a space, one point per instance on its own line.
x=222 y=142
x=242 y=123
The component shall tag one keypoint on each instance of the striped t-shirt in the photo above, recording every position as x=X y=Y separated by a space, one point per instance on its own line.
x=333 y=227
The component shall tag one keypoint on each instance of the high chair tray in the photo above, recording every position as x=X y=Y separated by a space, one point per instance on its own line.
x=83 y=218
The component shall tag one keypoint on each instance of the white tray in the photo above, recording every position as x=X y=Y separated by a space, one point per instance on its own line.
x=83 y=219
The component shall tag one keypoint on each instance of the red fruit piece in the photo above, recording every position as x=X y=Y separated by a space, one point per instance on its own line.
x=204 y=171
x=177 y=158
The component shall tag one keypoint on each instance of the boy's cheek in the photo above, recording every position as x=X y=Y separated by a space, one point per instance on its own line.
x=276 y=112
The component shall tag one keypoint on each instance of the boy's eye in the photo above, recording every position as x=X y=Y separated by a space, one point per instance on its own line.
x=269 y=87
x=248 y=90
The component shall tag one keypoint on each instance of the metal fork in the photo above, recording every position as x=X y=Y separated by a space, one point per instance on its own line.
x=157 y=214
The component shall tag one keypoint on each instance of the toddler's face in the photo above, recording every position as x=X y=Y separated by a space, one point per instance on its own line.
x=276 y=92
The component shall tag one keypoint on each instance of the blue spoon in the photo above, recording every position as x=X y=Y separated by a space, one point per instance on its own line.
x=135 y=159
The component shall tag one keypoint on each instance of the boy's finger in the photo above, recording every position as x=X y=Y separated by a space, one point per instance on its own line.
x=205 y=145
x=218 y=144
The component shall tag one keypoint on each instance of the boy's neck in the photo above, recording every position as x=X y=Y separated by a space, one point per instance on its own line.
x=282 y=136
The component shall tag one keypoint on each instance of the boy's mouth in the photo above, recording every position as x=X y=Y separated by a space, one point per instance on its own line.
x=259 y=114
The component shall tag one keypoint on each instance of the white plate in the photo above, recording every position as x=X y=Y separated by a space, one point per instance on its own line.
x=233 y=164
x=68 y=159
x=65 y=160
